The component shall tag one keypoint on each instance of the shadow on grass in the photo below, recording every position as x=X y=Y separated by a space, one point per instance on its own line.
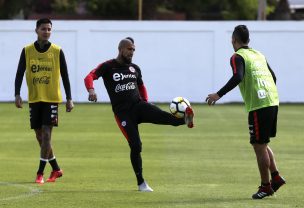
x=200 y=202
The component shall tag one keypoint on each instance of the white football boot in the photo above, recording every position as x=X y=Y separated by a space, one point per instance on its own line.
x=144 y=187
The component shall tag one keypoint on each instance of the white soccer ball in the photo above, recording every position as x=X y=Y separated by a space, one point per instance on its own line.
x=178 y=106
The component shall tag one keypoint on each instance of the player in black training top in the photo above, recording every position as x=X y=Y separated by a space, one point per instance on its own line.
x=129 y=99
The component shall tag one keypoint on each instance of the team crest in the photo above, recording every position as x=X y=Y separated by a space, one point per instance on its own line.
x=123 y=123
x=131 y=68
x=50 y=55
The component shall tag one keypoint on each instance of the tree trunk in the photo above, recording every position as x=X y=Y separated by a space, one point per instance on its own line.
x=262 y=10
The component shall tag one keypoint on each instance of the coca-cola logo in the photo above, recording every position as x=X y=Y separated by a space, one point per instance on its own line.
x=125 y=87
x=41 y=80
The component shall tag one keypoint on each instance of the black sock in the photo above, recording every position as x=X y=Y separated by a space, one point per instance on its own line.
x=137 y=166
x=42 y=164
x=275 y=173
x=54 y=164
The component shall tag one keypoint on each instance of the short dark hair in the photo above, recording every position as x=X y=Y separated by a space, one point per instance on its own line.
x=130 y=39
x=43 y=21
x=241 y=33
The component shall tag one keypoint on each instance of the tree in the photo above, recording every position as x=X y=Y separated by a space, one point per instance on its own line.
x=65 y=6
x=240 y=10
x=282 y=11
x=113 y=9
x=128 y=9
x=219 y=9
x=10 y=8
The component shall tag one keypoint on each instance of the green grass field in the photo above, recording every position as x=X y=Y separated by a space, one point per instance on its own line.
x=212 y=165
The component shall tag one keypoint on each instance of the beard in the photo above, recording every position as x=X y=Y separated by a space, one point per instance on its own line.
x=127 y=60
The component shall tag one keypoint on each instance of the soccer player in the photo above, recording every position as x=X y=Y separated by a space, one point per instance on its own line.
x=129 y=99
x=43 y=63
x=257 y=83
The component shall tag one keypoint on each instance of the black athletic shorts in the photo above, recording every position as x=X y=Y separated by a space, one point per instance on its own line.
x=143 y=112
x=263 y=124
x=43 y=113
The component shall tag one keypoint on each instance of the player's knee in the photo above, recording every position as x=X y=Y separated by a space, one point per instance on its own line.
x=39 y=139
x=136 y=148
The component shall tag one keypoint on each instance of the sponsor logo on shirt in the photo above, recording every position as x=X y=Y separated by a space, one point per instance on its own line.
x=38 y=68
x=120 y=76
x=41 y=80
x=40 y=65
x=125 y=87
x=262 y=94
x=260 y=73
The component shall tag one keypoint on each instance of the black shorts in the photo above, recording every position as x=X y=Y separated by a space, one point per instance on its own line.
x=43 y=113
x=263 y=124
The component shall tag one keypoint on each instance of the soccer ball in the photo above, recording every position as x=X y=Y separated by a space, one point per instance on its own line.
x=178 y=106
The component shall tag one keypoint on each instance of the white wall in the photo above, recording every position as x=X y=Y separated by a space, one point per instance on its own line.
x=189 y=59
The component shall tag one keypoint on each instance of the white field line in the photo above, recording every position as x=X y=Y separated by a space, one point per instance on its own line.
x=31 y=191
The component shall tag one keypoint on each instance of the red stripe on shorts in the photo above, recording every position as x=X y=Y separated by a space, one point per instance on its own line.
x=121 y=128
x=256 y=125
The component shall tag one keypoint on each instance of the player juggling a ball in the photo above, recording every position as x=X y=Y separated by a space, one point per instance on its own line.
x=129 y=99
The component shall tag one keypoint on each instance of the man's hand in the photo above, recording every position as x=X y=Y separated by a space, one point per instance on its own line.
x=92 y=95
x=69 y=105
x=18 y=101
x=212 y=98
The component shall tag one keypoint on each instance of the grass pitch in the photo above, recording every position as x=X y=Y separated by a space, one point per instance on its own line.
x=211 y=165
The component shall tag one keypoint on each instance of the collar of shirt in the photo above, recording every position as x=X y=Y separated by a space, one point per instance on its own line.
x=44 y=49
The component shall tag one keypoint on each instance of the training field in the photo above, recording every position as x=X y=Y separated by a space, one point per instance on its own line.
x=212 y=165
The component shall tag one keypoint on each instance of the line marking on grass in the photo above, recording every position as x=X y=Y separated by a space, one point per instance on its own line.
x=32 y=191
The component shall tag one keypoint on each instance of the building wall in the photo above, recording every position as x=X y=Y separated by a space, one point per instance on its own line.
x=189 y=59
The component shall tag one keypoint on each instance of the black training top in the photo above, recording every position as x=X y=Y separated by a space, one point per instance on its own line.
x=238 y=70
x=121 y=82
x=63 y=70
